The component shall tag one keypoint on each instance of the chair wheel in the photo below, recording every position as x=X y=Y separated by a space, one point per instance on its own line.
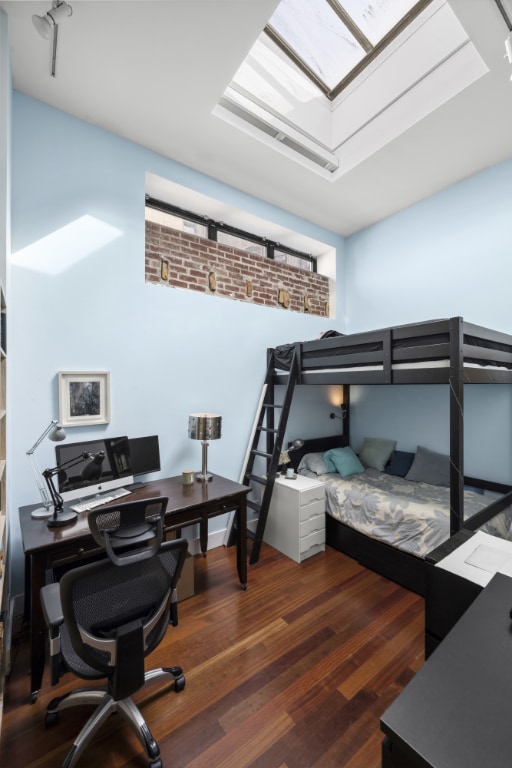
x=179 y=683
x=51 y=718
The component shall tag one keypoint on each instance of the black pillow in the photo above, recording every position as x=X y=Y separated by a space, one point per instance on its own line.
x=400 y=463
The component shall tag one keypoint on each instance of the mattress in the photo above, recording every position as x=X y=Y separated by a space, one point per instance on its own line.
x=413 y=517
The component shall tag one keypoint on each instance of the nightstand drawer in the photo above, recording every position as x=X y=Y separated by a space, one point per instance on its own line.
x=312 y=525
x=310 y=495
x=312 y=544
x=314 y=509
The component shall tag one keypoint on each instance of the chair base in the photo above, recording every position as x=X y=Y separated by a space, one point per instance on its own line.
x=106 y=706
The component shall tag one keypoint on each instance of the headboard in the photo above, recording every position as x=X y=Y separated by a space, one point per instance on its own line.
x=316 y=445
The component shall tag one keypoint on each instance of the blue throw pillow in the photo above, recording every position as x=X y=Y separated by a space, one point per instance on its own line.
x=343 y=461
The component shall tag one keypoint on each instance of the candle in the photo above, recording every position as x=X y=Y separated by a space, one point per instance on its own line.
x=188 y=477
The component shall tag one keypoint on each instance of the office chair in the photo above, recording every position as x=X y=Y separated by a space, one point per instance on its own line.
x=105 y=617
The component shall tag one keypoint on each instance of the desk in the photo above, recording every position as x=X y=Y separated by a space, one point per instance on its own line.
x=49 y=548
x=455 y=712
x=447 y=595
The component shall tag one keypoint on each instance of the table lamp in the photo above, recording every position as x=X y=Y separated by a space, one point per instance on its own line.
x=284 y=456
x=204 y=427
x=54 y=432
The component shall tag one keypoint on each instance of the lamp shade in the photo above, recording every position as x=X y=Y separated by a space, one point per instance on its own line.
x=204 y=426
x=43 y=25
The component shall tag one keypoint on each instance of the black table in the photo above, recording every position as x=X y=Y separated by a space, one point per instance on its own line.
x=49 y=549
x=447 y=595
x=456 y=711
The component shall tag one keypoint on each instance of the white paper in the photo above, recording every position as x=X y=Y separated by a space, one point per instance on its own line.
x=479 y=558
x=487 y=558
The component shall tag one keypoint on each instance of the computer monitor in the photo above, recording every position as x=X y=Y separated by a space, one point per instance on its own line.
x=144 y=454
x=101 y=465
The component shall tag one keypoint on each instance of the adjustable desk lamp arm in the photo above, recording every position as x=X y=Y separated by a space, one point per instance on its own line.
x=48 y=474
x=58 y=434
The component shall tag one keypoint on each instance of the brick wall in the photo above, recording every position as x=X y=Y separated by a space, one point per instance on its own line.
x=180 y=260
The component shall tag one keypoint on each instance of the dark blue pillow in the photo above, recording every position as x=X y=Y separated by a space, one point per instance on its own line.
x=400 y=463
x=475 y=490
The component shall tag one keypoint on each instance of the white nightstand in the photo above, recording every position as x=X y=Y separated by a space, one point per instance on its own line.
x=296 y=517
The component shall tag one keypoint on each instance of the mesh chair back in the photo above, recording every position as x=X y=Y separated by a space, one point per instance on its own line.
x=129 y=531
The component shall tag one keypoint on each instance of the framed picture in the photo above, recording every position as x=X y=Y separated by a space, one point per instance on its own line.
x=84 y=398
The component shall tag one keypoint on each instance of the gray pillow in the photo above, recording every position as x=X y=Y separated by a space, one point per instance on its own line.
x=430 y=467
x=314 y=462
x=376 y=452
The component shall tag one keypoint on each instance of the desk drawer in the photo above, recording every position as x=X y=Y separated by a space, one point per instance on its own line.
x=73 y=552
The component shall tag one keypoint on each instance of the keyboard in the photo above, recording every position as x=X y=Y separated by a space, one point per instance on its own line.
x=97 y=501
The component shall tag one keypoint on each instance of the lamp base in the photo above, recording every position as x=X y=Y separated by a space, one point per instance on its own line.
x=41 y=513
x=203 y=478
x=62 y=518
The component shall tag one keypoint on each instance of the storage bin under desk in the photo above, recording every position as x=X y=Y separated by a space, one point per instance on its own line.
x=296 y=519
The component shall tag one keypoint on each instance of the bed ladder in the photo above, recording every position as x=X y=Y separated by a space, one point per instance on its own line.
x=269 y=428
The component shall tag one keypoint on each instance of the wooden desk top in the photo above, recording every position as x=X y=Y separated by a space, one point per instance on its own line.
x=182 y=499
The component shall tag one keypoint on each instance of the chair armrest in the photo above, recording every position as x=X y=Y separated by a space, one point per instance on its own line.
x=52 y=611
x=50 y=603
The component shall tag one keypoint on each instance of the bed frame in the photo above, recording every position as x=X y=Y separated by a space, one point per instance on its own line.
x=379 y=556
x=451 y=352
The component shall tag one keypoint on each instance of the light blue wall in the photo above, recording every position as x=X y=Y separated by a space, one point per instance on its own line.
x=79 y=306
x=449 y=255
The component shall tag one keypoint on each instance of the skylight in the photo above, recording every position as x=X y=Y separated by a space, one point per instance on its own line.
x=330 y=82
x=333 y=40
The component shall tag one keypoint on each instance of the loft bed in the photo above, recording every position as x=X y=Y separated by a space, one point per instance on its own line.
x=451 y=352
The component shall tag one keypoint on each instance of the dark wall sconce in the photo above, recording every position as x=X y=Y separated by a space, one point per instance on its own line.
x=342 y=415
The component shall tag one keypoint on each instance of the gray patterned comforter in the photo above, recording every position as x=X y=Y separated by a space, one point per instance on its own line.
x=413 y=517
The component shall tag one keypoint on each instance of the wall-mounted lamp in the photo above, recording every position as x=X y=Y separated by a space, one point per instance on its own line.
x=342 y=415
x=48 y=27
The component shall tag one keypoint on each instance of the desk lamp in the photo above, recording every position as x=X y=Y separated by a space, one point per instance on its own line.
x=54 y=432
x=204 y=427
x=91 y=471
x=284 y=456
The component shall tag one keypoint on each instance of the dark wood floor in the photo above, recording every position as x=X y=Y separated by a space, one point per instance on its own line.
x=293 y=673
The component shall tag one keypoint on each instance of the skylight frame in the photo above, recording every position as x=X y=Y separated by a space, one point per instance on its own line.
x=372 y=51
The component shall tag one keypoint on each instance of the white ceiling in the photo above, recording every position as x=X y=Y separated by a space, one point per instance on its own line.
x=152 y=72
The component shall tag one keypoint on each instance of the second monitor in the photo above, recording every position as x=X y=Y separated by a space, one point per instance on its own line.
x=144 y=454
